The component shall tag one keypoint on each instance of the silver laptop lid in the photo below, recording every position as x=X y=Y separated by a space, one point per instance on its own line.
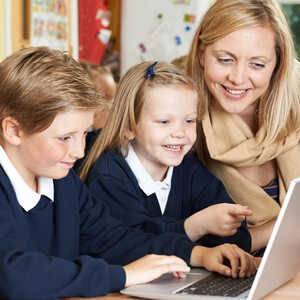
x=281 y=260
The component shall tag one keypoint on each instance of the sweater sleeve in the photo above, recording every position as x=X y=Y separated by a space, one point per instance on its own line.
x=210 y=193
x=27 y=273
x=104 y=246
x=127 y=202
x=119 y=244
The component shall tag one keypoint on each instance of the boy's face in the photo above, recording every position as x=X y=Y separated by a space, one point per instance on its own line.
x=53 y=152
x=166 y=130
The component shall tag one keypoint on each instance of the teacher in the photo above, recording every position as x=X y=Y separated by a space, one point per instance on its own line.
x=243 y=59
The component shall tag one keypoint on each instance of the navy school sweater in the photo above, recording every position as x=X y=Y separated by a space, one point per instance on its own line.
x=193 y=188
x=69 y=247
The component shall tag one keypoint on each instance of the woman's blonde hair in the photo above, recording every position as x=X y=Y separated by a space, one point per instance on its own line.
x=279 y=107
x=37 y=83
x=131 y=93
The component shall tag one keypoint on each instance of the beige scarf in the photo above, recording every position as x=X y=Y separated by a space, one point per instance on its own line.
x=231 y=144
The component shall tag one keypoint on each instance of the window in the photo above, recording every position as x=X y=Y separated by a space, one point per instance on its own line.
x=291 y=10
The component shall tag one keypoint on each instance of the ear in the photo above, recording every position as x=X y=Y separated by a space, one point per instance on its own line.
x=130 y=135
x=11 y=131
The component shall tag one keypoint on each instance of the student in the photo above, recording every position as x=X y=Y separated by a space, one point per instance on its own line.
x=142 y=167
x=243 y=60
x=105 y=84
x=56 y=240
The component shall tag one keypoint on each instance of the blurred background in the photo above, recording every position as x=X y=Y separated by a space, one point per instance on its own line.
x=111 y=33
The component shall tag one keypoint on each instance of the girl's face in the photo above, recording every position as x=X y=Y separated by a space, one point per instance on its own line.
x=238 y=68
x=52 y=152
x=166 y=130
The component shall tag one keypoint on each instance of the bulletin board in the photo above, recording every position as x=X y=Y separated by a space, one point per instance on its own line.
x=50 y=25
x=94 y=32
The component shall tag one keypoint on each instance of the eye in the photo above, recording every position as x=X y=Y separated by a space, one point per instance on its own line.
x=225 y=60
x=191 y=121
x=163 y=121
x=64 y=138
x=257 y=65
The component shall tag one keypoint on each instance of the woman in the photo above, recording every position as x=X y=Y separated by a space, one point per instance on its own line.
x=243 y=58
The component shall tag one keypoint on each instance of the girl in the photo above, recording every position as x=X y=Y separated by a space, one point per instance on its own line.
x=243 y=59
x=52 y=231
x=142 y=167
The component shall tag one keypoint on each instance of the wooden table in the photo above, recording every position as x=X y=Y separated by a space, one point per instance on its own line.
x=288 y=291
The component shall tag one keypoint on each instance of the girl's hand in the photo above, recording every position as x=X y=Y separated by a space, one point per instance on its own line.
x=153 y=266
x=226 y=259
x=222 y=219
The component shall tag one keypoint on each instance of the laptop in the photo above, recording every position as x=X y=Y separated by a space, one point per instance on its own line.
x=280 y=263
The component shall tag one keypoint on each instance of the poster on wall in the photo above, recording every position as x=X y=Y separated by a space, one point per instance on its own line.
x=49 y=24
x=94 y=34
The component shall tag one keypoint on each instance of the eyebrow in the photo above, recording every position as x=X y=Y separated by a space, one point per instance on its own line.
x=168 y=115
x=71 y=132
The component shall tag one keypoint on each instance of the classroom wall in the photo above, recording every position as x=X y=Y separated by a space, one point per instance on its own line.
x=17 y=25
x=158 y=30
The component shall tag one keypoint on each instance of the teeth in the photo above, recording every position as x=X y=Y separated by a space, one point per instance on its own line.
x=236 y=92
x=173 y=147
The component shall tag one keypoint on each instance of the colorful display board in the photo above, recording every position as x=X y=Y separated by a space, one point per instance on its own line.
x=49 y=24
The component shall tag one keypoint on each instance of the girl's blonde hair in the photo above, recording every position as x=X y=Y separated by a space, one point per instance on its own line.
x=131 y=93
x=279 y=107
x=37 y=83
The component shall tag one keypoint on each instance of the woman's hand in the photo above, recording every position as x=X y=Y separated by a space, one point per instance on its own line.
x=222 y=219
x=226 y=259
x=153 y=266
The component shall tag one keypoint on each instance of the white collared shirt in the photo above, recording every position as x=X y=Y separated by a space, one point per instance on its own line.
x=26 y=197
x=145 y=181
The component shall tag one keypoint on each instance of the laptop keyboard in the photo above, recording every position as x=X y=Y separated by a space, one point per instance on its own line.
x=218 y=285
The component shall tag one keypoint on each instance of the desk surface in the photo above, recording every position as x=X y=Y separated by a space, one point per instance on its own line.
x=288 y=291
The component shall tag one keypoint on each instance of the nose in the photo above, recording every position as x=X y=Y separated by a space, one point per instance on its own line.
x=77 y=148
x=178 y=131
x=238 y=74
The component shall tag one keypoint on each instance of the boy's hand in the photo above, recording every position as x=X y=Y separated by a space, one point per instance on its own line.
x=220 y=219
x=226 y=259
x=153 y=266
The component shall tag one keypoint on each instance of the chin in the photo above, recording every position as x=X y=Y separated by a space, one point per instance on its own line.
x=233 y=109
x=175 y=163
x=60 y=175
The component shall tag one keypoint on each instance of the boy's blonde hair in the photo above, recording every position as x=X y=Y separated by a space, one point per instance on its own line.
x=37 y=83
x=279 y=107
x=132 y=91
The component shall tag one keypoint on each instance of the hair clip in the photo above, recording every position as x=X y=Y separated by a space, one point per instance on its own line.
x=150 y=71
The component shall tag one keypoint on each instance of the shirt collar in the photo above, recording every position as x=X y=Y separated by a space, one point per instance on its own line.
x=26 y=197
x=145 y=181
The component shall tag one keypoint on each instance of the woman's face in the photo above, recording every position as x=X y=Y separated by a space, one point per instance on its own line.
x=238 y=68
